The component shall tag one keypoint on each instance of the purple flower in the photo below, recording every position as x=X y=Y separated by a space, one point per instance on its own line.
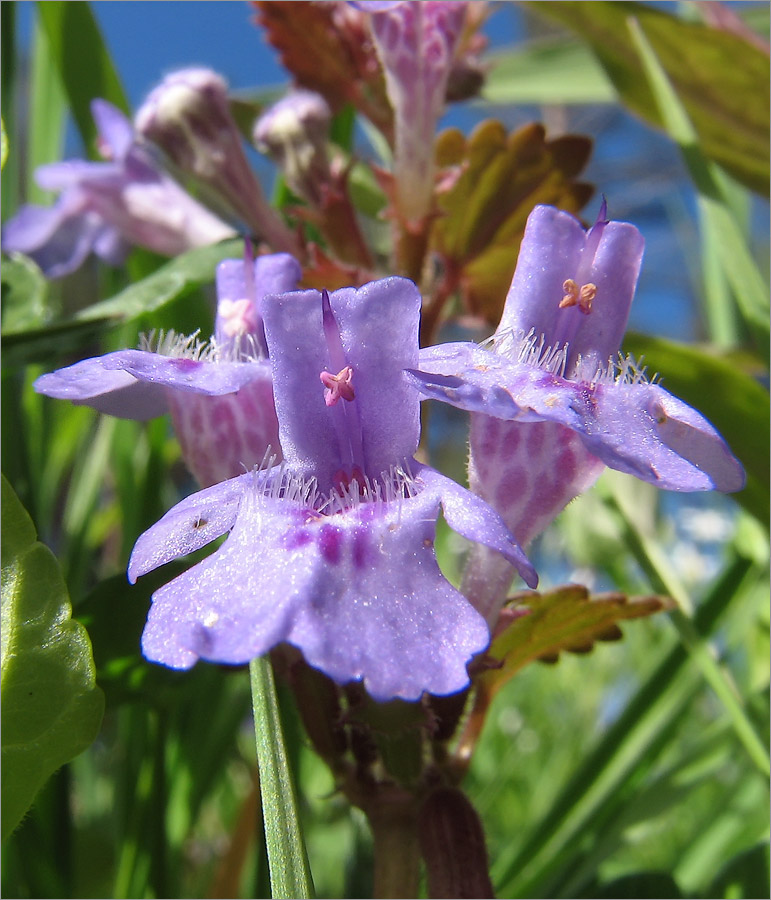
x=219 y=393
x=188 y=116
x=331 y=551
x=416 y=42
x=552 y=402
x=105 y=207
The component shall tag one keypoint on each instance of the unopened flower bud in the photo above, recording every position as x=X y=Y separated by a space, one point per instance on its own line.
x=189 y=118
x=293 y=132
x=187 y=115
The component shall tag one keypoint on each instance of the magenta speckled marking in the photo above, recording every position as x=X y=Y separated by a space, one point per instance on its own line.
x=219 y=436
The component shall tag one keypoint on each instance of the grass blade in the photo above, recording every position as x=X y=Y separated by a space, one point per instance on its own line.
x=290 y=875
x=85 y=66
x=738 y=265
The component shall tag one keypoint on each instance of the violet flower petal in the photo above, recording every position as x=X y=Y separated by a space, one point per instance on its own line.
x=360 y=593
x=555 y=247
x=470 y=516
x=274 y=273
x=631 y=426
x=191 y=524
x=115 y=130
x=131 y=384
x=378 y=328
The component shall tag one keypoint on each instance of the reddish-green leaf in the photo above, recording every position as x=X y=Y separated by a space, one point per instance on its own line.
x=496 y=180
x=565 y=619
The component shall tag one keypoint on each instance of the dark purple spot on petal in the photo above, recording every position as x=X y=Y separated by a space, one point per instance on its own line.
x=187 y=365
x=361 y=548
x=297 y=537
x=331 y=543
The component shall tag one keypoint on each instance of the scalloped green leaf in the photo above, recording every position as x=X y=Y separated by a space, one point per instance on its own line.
x=51 y=705
x=568 y=618
x=495 y=181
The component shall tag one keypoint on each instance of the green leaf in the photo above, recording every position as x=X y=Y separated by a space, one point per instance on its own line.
x=84 y=63
x=173 y=280
x=739 y=268
x=620 y=755
x=51 y=706
x=639 y=884
x=720 y=386
x=3 y=144
x=564 y=619
x=289 y=871
x=746 y=875
x=721 y=78
x=546 y=72
x=24 y=293
x=47 y=115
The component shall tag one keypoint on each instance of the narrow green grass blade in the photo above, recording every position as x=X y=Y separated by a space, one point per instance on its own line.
x=290 y=875
x=612 y=764
x=47 y=112
x=738 y=265
x=79 y=53
x=663 y=579
x=547 y=71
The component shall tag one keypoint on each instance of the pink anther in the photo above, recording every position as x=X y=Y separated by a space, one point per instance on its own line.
x=338 y=386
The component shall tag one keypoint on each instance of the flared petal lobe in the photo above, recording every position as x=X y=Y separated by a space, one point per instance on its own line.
x=555 y=249
x=220 y=395
x=378 y=329
x=358 y=591
x=632 y=426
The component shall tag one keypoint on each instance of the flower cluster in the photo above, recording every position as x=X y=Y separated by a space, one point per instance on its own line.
x=300 y=416
x=331 y=537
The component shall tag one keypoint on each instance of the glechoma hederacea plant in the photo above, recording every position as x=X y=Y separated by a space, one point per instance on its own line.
x=300 y=417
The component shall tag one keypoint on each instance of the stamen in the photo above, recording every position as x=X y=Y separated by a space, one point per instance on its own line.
x=581 y=297
x=346 y=416
x=571 y=293
x=338 y=386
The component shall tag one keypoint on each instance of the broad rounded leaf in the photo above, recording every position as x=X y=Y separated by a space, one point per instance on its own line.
x=51 y=706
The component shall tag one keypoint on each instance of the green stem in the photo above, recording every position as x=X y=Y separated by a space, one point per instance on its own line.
x=397 y=849
x=290 y=875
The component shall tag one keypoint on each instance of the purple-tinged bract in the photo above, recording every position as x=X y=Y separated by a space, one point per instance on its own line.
x=332 y=550
x=416 y=42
